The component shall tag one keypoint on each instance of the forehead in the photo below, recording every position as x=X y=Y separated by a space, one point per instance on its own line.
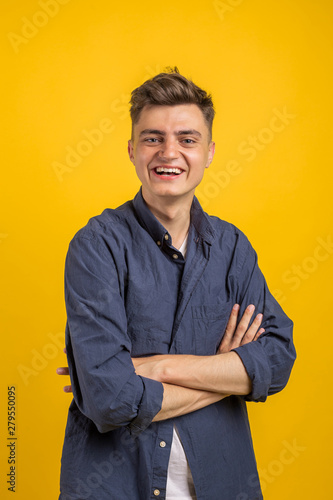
x=171 y=118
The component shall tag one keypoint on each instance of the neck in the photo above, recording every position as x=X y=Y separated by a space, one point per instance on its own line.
x=173 y=214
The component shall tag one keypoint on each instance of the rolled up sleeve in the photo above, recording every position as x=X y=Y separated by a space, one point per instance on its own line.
x=269 y=360
x=106 y=388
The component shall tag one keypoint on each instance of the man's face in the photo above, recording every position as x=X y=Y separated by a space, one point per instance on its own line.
x=170 y=149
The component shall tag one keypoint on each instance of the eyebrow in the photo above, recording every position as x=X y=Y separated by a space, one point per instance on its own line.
x=149 y=131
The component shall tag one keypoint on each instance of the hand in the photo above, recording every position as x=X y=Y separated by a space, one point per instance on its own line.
x=235 y=337
x=63 y=370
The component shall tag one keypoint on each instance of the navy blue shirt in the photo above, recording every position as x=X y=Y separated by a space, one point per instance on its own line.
x=130 y=293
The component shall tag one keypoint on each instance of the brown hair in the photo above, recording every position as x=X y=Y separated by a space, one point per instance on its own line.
x=171 y=89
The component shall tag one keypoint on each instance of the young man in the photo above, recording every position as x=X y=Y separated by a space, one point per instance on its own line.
x=161 y=367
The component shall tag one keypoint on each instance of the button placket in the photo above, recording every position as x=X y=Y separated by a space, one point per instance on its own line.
x=162 y=457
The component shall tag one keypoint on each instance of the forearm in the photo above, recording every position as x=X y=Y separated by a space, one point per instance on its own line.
x=222 y=373
x=182 y=400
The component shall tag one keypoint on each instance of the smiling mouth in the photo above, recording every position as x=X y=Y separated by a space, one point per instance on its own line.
x=167 y=171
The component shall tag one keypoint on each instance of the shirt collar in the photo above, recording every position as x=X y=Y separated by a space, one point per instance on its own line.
x=199 y=219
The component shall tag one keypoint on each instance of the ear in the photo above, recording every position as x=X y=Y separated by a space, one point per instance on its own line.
x=130 y=151
x=211 y=152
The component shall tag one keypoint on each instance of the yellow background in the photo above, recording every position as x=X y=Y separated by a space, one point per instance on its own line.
x=70 y=69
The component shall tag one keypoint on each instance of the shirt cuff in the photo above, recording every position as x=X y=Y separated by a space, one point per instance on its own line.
x=149 y=406
x=254 y=359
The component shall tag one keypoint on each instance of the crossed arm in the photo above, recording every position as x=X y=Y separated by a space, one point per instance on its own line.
x=193 y=382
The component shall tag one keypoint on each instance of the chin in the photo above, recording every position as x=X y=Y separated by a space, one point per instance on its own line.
x=169 y=192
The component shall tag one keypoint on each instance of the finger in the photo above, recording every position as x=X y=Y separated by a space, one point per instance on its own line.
x=253 y=329
x=243 y=325
x=65 y=350
x=262 y=330
x=232 y=322
x=230 y=328
x=63 y=370
x=68 y=388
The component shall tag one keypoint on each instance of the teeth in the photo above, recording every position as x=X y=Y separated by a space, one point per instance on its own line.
x=168 y=170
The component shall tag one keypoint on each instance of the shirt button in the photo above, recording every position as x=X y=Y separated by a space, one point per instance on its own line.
x=166 y=237
x=162 y=444
x=159 y=243
x=174 y=256
x=156 y=492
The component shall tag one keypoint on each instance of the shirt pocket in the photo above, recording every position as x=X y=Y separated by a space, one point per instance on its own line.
x=209 y=324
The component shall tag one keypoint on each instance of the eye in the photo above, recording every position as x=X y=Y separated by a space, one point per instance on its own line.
x=188 y=141
x=151 y=140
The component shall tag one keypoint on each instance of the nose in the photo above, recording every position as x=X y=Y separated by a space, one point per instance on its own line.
x=168 y=150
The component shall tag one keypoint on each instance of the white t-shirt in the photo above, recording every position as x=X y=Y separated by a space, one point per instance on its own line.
x=179 y=481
